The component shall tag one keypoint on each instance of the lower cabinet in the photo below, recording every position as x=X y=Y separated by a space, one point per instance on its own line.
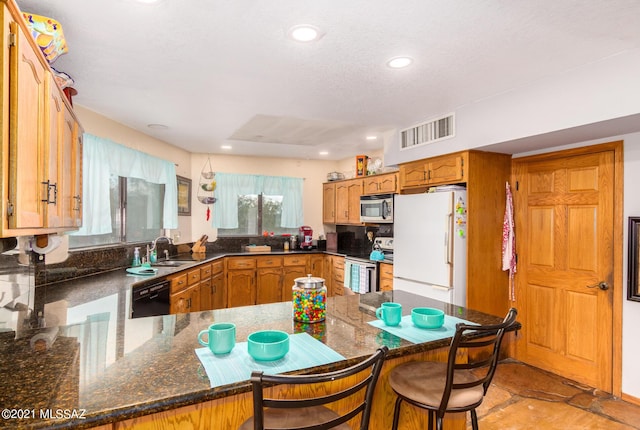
x=386 y=277
x=244 y=281
x=337 y=274
x=184 y=298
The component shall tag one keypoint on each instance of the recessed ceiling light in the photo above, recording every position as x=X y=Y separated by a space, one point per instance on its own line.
x=372 y=137
x=304 y=33
x=157 y=126
x=148 y=1
x=399 y=62
x=323 y=152
x=225 y=147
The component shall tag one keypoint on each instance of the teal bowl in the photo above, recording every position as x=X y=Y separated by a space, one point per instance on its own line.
x=268 y=345
x=427 y=317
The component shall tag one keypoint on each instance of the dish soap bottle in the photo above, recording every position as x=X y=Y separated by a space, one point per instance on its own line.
x=136 y=257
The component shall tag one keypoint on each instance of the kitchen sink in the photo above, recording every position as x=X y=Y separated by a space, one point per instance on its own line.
x=171 y=263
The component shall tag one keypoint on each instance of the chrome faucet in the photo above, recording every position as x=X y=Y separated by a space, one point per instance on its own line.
x=154 y=243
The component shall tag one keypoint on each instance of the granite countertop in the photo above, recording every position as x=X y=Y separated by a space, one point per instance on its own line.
x=109 y=367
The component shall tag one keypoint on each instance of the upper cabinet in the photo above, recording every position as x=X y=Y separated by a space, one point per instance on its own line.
x=348 y=201
x=41 y=139
x=386 y=183
x=446 y=169
x=341 y=199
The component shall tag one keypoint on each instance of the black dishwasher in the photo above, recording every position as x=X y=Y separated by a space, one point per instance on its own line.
x=149 y=300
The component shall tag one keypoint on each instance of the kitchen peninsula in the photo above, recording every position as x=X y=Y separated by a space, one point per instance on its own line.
x=130 y=373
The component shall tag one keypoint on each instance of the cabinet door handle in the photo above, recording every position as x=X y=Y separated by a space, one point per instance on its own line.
x=49 y=186
x=77 y=200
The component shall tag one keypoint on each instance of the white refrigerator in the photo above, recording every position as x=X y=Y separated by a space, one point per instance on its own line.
x=430 y=244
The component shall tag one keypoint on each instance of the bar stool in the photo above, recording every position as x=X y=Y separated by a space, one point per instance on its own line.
x=311 y=412
x=451 y=386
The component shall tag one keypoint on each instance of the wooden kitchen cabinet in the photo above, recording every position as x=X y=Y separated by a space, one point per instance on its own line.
x=337 y=272
x=446 y=169
x=269 y=280
x=184 y=297
x=241 y=281
x=386 y=183
x=38 y=152
x=386 y=277
x=316 y=265
x=329 y=203
x=212 y=286
x=348 y=201
x=295 y=266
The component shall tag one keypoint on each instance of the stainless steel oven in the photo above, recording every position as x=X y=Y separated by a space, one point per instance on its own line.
x=360 y=275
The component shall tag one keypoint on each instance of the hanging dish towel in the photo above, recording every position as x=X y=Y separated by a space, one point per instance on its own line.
x=509 y=242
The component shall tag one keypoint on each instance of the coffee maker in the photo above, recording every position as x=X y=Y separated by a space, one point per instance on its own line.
x=305 y=235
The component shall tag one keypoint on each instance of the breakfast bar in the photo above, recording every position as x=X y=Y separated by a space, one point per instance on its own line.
x=119 y=372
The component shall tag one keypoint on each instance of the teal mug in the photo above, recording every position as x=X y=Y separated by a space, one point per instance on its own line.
x=221 y=337
x=390 y=313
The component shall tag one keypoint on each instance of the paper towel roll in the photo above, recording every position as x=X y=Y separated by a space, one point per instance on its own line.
x=44 y=339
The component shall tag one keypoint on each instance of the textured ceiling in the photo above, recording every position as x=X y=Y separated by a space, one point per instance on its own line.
x=223 y=72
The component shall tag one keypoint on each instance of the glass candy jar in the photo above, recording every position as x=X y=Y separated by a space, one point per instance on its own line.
x=309 y=299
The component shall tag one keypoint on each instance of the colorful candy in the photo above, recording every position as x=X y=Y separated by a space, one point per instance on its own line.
x=309 y=305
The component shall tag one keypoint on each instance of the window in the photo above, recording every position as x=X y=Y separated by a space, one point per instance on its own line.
x=136 y=213
x=250 y=204
x=258 y=213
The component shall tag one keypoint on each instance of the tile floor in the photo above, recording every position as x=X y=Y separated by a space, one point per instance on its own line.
x=523 y=397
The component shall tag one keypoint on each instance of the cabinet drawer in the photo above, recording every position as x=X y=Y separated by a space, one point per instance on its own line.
x=205 y=271
x=179 y=283
x=217 y=267
x=241 y=263
x=339 y=276
x=269 y=262
x=295 y=260
x=193 y=276
x=338 y=263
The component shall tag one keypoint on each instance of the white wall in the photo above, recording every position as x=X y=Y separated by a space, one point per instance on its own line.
x=596 y=92
x=630 y=310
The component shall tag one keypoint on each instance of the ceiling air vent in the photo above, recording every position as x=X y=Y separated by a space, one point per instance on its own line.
x=428 y=132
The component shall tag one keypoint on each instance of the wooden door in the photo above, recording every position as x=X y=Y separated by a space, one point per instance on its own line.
x=27 y=111
x=565 y=228
x=355 y=191
x=241 y=289
x=76 y=176
x=446 y=170
x=67 y=178
x=54 y=153
x=269 y=289
x=342 y=202
x=329 y=203
x=218 y=292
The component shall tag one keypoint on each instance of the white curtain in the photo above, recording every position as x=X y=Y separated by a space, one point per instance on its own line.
x=229 y=186
x=103 y=158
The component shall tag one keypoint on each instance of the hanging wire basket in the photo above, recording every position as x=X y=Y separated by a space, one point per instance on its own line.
x=207 y=184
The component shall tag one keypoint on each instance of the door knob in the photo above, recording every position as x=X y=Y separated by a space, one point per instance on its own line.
x=602 y=285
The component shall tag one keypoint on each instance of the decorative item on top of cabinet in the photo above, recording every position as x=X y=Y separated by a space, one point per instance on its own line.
x=41 y=154
x=386 y=183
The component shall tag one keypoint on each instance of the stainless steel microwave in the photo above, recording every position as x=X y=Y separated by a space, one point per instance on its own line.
x=377 y=208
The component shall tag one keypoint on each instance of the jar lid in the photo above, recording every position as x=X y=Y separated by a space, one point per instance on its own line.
x=309 y=282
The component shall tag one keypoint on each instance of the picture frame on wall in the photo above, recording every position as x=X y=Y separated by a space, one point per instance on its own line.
x=184 y=196
x=633 y=286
